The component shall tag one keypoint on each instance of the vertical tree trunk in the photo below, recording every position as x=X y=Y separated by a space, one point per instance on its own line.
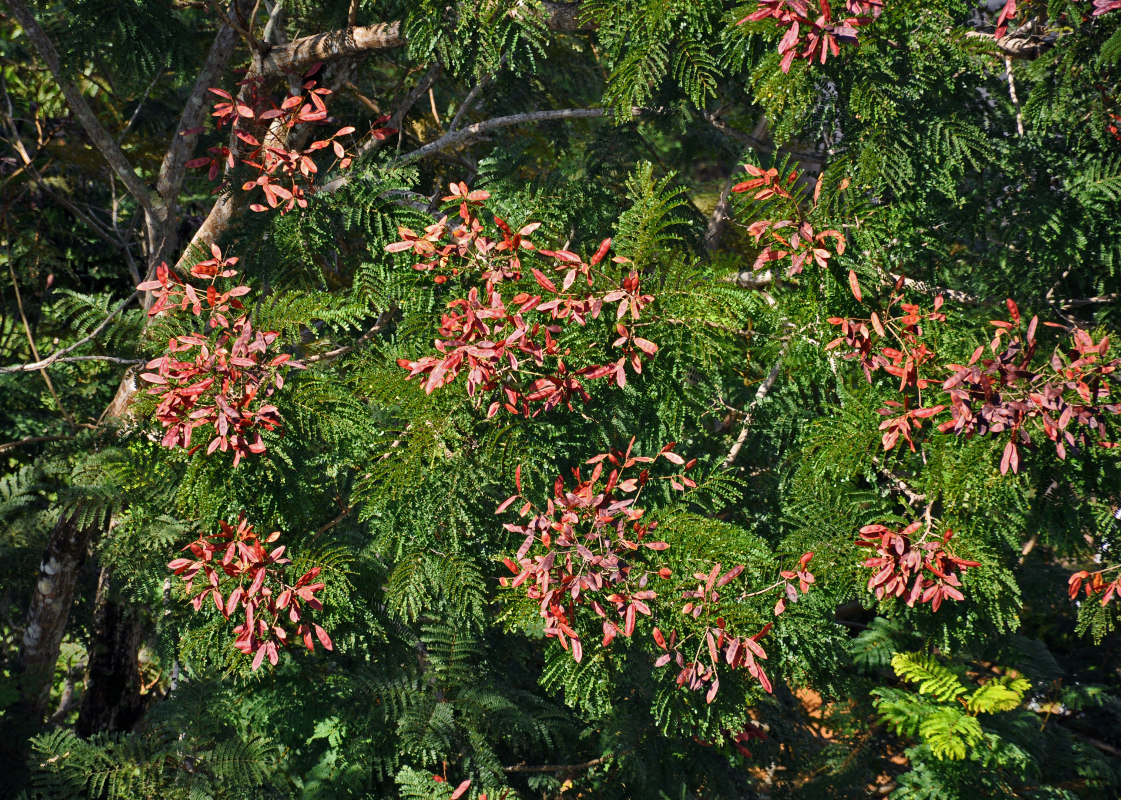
x=50 y=610
x=112 y=700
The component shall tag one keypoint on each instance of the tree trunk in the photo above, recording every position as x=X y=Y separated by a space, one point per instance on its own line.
x=112 y=700
x=50 y=610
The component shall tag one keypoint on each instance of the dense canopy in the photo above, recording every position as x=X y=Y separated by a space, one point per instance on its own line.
x=522 y=399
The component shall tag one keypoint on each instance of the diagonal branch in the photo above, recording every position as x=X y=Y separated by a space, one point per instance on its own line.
x=173 y=168
x=749 y=412
x=58 y=354
x=97 y=133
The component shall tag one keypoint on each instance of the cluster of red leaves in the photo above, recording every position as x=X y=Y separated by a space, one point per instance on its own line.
x=813 y=33
x=908 y=360
x=987 y=396
x=800 y=243
x=1001 y=394
x=922 y=571
x=1095 y=583
x=500 y=346
x=263 y=130
x=714 y=640
x=220 y=377
x=273 y=610
x=593 y=554
x=591 y=538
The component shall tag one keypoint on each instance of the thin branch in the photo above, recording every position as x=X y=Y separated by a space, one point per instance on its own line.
x=378 y=327
x=749 y=412
x=328 y=525
x=34 y=350
x=469 y=100
x=718 y=221
x=273 y=25
x=32 y=440
x=8 y=117
x=595 y=762
x=42 y=364
x=756 y=143
x=454 y=138
x=957 y=296
x=97 y=133
x=1012 y=94
x=899 y=485
x=1102 y=299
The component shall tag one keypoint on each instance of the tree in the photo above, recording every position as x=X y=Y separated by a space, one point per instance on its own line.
x=626 y=399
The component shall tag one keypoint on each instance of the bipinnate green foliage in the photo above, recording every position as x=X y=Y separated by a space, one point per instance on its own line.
x=913 y=193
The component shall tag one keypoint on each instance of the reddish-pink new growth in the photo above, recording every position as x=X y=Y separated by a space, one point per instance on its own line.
x=220 y=377
x=800 y=243
x=1095 y=583
x=238 y=571
x=262 y=128
x=514 y=348
x=812 y=33
x=923 y=571
x=593 y=552
x=987 y=396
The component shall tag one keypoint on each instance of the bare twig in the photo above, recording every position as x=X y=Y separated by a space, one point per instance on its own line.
x=595 y=762
x=173 y=168
x=1012 y=94
x=749 y=412
x=453 y=138
x=718 y=221
x=472 y=95
x=30 y=440
x=756 y=143
x=42 y=364
x=899 y=485
x=378 y=327
x=35 y=351
x=99 y=136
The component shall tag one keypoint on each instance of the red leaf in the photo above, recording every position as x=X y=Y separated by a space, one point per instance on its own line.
x=855 y=286
x=604 y=246
x=460 y=790
x=545 y=282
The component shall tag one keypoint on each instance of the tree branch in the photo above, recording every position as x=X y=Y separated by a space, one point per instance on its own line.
x=749 y=412
x=378 y=327
x=558 y=767
x=352 y=41
x=453 y=138
x=97 y=133
x=173 y=169
x=58 y=354
x=295 y=56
